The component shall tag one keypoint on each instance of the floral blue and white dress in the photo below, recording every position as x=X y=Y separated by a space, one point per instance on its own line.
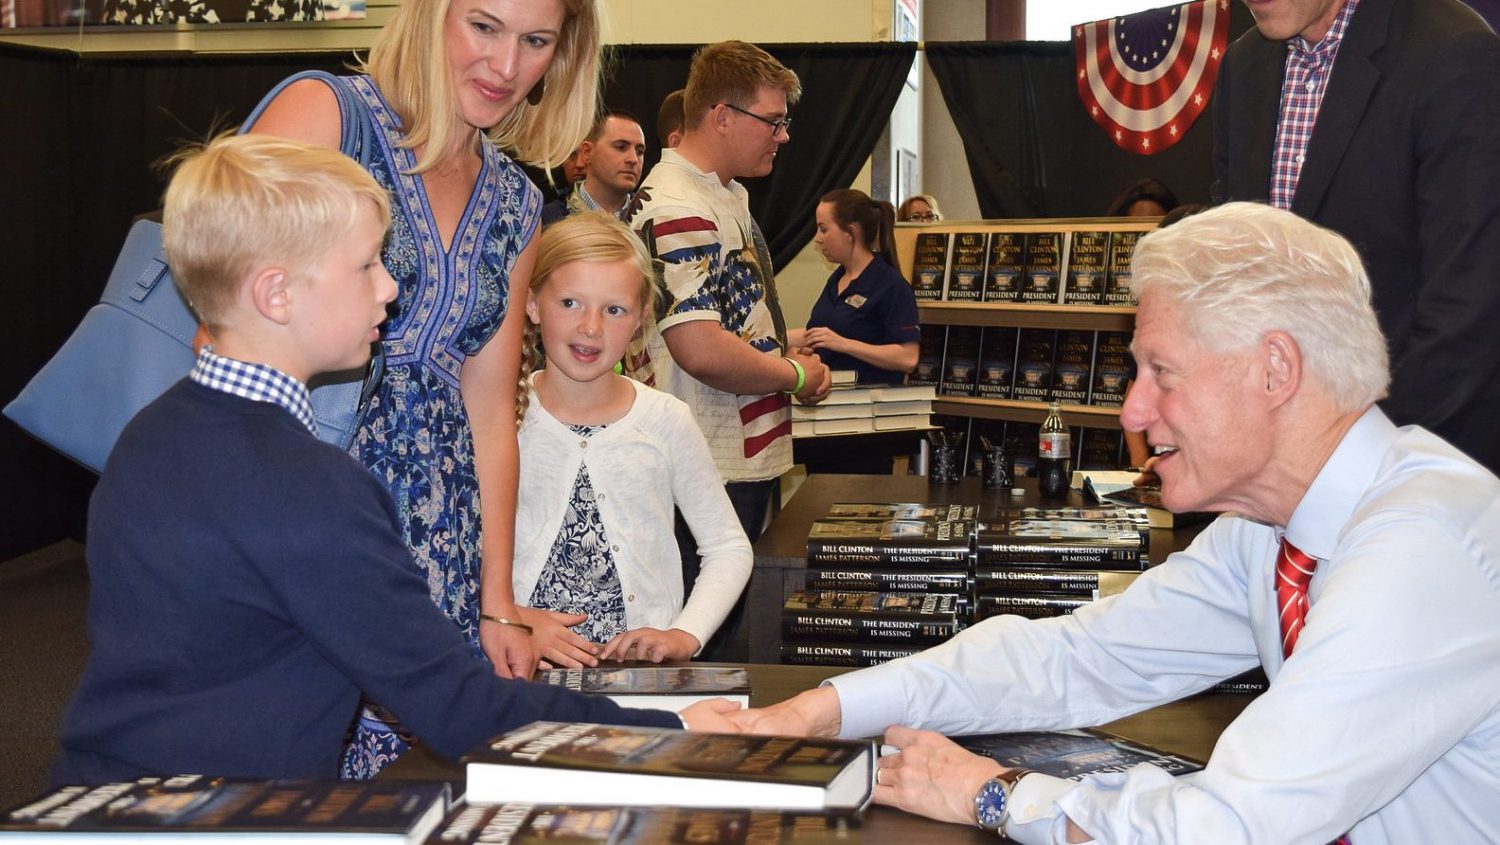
x=580 y=575
x=414 y=434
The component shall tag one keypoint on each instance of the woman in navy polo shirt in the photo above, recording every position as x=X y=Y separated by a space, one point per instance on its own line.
x=866 y=318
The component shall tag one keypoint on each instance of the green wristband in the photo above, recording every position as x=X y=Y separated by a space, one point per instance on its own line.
x=801 y=375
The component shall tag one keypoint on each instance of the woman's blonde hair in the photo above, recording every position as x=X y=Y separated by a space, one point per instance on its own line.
x=585 y=236
x=409 y=62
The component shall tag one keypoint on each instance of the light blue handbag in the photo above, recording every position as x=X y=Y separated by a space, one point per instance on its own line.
x=138 y=341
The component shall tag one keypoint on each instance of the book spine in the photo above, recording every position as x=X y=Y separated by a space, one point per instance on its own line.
x=839 y=654
x=1057 y=554
x=835 y=552
x=878 y=580
x=1031 y=607
x=812 y=625
x=1069 y=582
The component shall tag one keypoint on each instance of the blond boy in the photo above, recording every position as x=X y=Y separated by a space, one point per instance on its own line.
x=247 y=580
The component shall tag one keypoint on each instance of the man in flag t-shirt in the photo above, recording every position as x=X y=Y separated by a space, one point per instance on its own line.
x=721 y=346
x=1357 y=562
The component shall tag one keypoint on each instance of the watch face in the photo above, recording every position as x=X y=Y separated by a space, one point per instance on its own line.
x=989 y=805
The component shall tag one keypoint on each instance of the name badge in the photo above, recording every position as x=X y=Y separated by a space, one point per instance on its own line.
x=855 y=300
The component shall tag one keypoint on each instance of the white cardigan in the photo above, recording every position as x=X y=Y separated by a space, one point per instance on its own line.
x=640 y=465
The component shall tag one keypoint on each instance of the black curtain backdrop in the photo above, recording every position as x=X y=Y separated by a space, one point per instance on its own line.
x=1032 y=149
x=80 y=135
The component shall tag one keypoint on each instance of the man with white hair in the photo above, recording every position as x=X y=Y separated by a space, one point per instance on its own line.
x=1358 y=562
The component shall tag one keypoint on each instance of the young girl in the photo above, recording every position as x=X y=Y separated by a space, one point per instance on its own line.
x=603 y=460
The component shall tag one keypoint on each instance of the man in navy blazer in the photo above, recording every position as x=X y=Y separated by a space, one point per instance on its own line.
x=1403 y=159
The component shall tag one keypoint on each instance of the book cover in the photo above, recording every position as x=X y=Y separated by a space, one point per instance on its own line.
x=926 y=540
x=992 y=579
x=934 y=512
x=1073 y=754
x=1253 y=682
x=884 y=580
x=1111 y=369
x=997 y=362
x=841 y=654
x=843 y=378
x=1087 y=268
x=929 y=369
x=966 y=267
x=1072 y=365
x=1106 y=514
x=802 y=428
x=619 y=765
x=1006 y=267
x=663 y=687
x=1083 y=544
x=960 y=361
x=533 y=824
x=929 y=264
x=1043 y=267
x=860 y=616
x=938 y=607
x=1129 y=495
x=1117 y=286
x=1098 y=449
x=1033 y=375
x=1030 y=606
x=249 y=811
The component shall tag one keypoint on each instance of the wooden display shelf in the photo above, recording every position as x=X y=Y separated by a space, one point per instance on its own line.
x=1089 y=416
x=1109 y=318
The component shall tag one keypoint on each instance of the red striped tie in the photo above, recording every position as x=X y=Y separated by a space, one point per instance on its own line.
x=1294 y=569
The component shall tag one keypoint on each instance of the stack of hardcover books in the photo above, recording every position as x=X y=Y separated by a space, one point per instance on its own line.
x=883 y=581
x=852 y=409
x=1041 y=562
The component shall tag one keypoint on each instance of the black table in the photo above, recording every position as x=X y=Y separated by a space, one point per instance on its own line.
x=1189 y=727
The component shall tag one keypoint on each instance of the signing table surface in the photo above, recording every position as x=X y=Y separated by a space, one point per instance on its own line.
x=1187 y=727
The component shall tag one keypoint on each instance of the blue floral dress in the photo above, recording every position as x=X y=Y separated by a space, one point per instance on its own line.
x=414 y=434
x=580 y=575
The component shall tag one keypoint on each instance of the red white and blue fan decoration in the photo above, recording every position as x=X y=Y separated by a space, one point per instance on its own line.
x=1146 y=77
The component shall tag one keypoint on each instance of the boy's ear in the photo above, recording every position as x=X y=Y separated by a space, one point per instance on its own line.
x=270 y=294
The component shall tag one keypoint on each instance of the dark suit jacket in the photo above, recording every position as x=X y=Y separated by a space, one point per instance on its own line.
x=1404 y=161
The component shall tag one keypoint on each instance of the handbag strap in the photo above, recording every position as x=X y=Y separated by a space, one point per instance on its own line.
x=357 y=140
x=356 y=135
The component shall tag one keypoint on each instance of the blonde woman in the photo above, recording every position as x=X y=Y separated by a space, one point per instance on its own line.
x=447 y=84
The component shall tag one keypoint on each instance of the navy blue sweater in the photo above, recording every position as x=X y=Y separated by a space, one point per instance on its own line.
x=247 y=582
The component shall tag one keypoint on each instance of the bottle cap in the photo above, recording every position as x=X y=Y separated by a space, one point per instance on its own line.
x=1018 y=491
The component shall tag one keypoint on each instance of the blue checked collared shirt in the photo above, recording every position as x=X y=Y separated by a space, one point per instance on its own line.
x=1305 y=79
x=256 y=382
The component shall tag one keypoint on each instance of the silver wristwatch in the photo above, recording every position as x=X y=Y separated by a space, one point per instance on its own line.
x=992 y=801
